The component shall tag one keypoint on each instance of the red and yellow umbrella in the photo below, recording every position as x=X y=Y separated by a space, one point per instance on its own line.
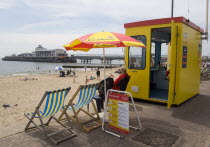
x=102 y=40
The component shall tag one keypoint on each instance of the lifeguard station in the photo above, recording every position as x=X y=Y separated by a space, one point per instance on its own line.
x=168 y=69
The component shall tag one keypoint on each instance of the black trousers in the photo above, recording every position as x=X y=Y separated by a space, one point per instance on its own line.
x=100 y=103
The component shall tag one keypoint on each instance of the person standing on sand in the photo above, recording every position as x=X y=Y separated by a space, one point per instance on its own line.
x=85 y=67
x=98 y=74
x=87 y=80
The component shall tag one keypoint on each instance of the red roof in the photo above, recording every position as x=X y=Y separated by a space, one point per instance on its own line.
x=163 y=21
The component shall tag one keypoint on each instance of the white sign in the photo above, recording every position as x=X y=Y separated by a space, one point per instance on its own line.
x=123 y=114
x=135 y=88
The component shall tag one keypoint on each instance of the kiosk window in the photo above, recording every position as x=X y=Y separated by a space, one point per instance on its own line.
x=137 y=55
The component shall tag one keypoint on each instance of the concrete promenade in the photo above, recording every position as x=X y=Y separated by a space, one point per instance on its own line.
x=187 y=125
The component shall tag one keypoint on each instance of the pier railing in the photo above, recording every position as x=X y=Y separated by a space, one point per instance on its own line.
x=87 y=58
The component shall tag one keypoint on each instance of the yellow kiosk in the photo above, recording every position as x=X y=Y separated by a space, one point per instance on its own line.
x=168 y=69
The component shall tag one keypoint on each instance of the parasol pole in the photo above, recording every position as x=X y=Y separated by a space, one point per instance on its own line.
x=105 y=107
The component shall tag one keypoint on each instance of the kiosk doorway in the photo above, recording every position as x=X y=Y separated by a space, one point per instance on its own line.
x=159 y=63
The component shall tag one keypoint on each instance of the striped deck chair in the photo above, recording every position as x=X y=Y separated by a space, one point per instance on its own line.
x=85 y=95
x=54 y=103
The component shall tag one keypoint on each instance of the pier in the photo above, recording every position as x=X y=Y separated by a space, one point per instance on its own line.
x=56 y=59
x=91 y=66
x=86 y=58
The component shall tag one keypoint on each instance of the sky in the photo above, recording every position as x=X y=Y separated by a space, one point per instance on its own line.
x=25 y=24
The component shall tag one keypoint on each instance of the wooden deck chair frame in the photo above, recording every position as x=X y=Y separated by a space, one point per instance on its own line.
x=76 y=109
x=42 y=126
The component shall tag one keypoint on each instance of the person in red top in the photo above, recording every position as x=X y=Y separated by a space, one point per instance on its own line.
x=116 y=81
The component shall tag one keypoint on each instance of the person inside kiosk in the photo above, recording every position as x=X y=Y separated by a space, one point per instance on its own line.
x=137 y=55
x=132 y=62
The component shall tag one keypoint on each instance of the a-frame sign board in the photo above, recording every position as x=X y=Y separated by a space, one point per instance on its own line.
x=118 y=103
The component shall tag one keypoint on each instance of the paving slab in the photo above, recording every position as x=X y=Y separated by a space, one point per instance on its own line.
x=190 y=122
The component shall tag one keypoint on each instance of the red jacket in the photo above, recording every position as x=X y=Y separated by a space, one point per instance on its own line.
x=116 y=81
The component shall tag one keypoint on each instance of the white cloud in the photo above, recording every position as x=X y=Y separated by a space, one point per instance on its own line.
x=119 y=10
x=53 y=23
x=69 y=26
x=6 y=4
x=65 y=20
x=64 y=14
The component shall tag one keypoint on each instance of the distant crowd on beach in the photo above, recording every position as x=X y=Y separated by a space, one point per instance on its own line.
x=67 y=73
x=71 y=73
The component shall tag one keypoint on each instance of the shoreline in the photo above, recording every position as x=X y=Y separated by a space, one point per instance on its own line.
x=37 y=72
x=23 y=74
x=80 y=68
x=13 y=68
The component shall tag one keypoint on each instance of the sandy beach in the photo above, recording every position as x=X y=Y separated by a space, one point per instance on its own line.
x=24 y=96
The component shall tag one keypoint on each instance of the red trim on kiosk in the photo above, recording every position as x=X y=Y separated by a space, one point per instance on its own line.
x=163 y=21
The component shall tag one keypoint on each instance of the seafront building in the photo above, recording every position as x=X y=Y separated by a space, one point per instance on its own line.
x=43 y=52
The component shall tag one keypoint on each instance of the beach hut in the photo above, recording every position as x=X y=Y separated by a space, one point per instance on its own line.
x=168 y=69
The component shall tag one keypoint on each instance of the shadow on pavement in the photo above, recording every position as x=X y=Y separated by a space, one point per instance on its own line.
x=196 y=110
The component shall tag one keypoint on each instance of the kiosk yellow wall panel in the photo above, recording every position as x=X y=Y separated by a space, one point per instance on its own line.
x=188 y=79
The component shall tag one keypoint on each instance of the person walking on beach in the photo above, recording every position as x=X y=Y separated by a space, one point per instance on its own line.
x=85 y=67
x=74 y=76
x=98 y=74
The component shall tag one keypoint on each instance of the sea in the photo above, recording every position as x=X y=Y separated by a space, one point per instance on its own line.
x=15 y=68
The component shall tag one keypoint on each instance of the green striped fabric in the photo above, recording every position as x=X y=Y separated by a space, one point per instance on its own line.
x=54 y=103
x=86 y=95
